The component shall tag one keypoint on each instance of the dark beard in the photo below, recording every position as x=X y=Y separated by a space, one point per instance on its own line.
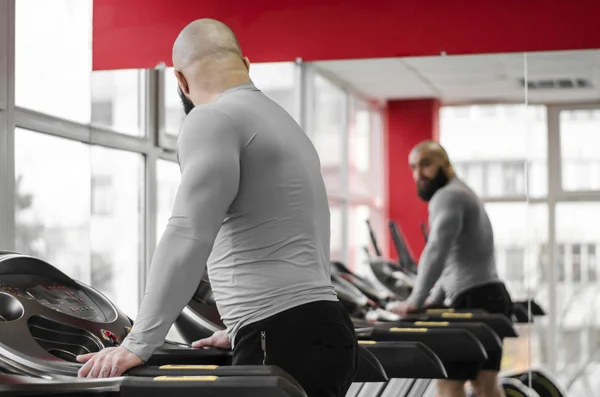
x=427 y=191
x=188 y=105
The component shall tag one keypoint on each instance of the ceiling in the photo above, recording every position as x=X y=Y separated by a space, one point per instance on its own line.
x=475 y=78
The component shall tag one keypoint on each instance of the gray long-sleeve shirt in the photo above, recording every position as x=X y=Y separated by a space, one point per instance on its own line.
x=459 y=253
x=252 y=207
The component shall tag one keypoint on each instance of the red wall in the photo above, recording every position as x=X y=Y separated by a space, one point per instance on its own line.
x=408 y=123
x=140 y=33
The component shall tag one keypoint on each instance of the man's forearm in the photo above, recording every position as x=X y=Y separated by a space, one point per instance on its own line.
x=430 y=270
x=176 y=271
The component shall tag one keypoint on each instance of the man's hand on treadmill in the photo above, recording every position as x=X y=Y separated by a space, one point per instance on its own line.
x=108 y=362
x=219 y=339
x=401 y=308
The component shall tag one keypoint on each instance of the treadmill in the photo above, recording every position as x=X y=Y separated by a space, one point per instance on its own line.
x=47 y=319
x=407 y=364
x=128 y=386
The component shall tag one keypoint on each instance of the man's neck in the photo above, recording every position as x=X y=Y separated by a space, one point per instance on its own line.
x=211 y=88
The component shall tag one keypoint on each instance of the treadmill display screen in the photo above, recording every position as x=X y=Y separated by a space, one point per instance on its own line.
x=61 y=298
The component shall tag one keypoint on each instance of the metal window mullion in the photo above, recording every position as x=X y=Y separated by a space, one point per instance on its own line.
x=167 y=155
x=151 y=107
x=110 y=139
x=345 y=175
x=303 y=90
x=554 y=189
x=150 y=211
x=514 y=199
x=40 y=122
x=163 y=139
x=7 y=100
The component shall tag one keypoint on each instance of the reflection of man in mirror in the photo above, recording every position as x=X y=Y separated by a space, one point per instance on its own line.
x=458 y=263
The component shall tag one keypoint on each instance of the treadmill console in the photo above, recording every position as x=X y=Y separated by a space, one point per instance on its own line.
x=65 y=299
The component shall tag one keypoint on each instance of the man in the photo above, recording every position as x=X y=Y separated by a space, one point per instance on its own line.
x=252 y=202
x=458 y=257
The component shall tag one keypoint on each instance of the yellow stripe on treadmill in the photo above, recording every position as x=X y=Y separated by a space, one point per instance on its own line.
x=457 y=315
x=366 y=342
x=432 y=324
x=513 y=393
x=186 y=378
x=208 y=367
x=431 y=311
x=408 y=329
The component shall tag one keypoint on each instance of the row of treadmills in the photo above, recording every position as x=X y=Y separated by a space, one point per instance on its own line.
x=47 y=319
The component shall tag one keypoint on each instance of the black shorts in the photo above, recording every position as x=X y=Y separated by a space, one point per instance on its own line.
x=493 y=298
x=315 y=343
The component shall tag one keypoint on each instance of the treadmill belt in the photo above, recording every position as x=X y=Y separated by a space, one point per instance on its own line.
x=431 y=390
x=372 y=389
x=420 y=387
x=397 y=388
x=354 y=389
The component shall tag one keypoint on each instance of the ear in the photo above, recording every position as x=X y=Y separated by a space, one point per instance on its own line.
x=182 y=82
x=246 y=62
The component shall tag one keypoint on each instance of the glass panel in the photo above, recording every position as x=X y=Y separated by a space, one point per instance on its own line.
x=117 y=242
x=360 y=182
x=118 y=100
x=578 y=292
x=492 y=146
x=53 y=201
x=277 y=80
x=53 y=57
x=337 y=237
x=174 y=113
x=328 y=126
x=520 y=235
x=359 y=239
x=579 y=147
x=358 y=236
x=168 y=177
x=85 y=221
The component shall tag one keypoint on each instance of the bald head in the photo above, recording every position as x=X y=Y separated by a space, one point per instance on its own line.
x=431 y=168
x=432 y=148
x=208 y=61
x=203 y=39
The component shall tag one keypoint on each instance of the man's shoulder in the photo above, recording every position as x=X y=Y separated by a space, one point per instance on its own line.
x=453 y=194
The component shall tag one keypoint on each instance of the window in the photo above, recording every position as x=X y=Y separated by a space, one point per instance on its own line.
x=168 y=177
x=576 y=262
x=53 y=57
x=277 y=80
x=117 y=236
x=592 y=263
x=327 y=128
x=543 y=262
x=358 y=237
x=49 y=223
x=360 y=136
x=561 y=264
x=498 y=149
x=514 y=179
x=118 y=100
x=54 y=212
x=173 y=107
x=102 y=195
x=569 y=347
x=579 y=145
x=519 y=230
x=337 y=236
x=515 y=264
x=577 y=306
